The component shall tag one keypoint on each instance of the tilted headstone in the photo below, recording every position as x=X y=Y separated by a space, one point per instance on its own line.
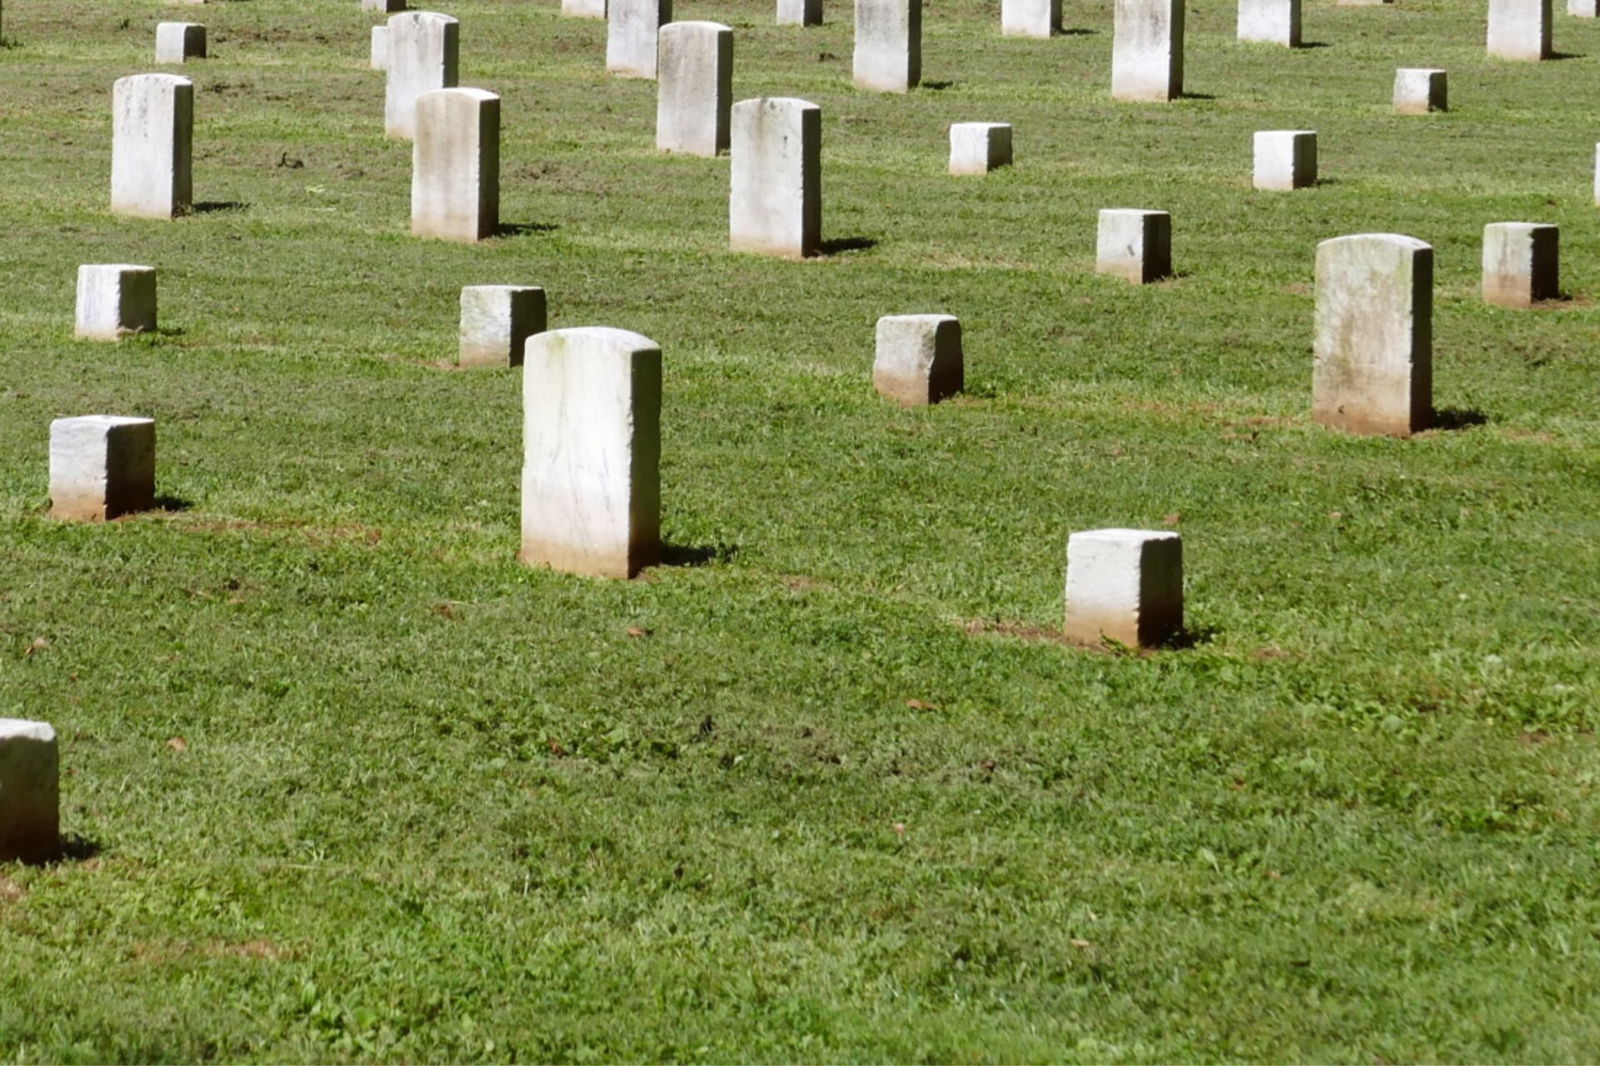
x=1521 y=263
x=423 y=50
x=918 y=358
x=455 y=165
x=1029 y=18
x=591 y=481
x=1419 y=90
x=1285 y=159
x=775 y=189
x=115 y=299
x=30 y=798
x=979 y=147
x=1373 y=351
x=888 y=47
x=799 y=13
x=1270 y=21
x=180 y=41
x=496 y=322
x=1519 y=29
x=101 y=466
x=1134 y=244
x=584 y=9
x=379 y=53
x=1147 y=50
x=152 y=145
x=1125 y=585
x=633 y=29
x=695 y=88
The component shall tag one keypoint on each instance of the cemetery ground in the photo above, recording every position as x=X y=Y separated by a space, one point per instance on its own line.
x=344 y=781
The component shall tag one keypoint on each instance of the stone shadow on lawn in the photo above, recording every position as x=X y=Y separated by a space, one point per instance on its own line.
x=170 y=503
x=840 y=245
x=522 y=229
x=696 y=554
x=212 y=207
x=1453 y=418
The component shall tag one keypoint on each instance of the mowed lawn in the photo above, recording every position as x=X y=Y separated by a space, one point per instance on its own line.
x=344 y=782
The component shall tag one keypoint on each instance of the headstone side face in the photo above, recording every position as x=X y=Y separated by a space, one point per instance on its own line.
x=979 y=147
x=1270 y=22
x=799 y=13
x=30 y=781
x=1125 y=585
x=101 y=466
x=633 y=29
x=1134 y=244
x=1373 y=350
x=455 y=165
x=114 y=299
x=177 y=42
x=918 y=358
x=1029 y=18
x=152 y=145
x=1147 y=50
x=591 y=483
x=695 y=88
x=888 y=45
x=1519 y=29
x=584 y=9
x=423 y=55
x=379 y=52
x=1521 y=263
x=1418 y=90
x=1285 y=159
x=496 y=322
x=775 y=189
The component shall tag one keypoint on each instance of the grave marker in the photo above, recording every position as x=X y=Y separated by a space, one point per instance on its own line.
x=496 y=322
x=775 y=194
x=799 y=12
x=979 y=147
x=633 y=29
x=1270 y=22
x=30 y=799
x=1285 y=159
x=1147 y=50
x=1029 y=18
x=152 y=145
x=423 y=47
x=1134 y=244
x=1521 y=263
x=101 y=466
x=695 y=91
x=379 y=52
x=1124 y=585
x=180 y=41
x=888 y=46
x=1419 y=90
x=1519 y=29
x=455 y=165
x=115 y=299
x=918 y=359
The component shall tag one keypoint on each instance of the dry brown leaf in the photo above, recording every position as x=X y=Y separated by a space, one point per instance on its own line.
x=178 y=744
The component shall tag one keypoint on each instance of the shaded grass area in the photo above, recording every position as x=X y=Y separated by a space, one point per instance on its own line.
x=346 y=783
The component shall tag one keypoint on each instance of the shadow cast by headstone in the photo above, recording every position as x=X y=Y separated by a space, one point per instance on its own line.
x=1313 y=44
x=212 y=207
x=1076 y=31
x=73 y=848
x=1190 y=637
x=170 y=504
x=1454 y=418
x=522 y=229
x=1565 y=55
x=840 y=245
x=697 y=554
x=168 y=331
x=1197 y=96
x=936 y=86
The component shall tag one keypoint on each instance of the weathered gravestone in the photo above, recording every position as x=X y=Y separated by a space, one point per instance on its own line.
x=1285 y=159
x=695 y=88
x=1373 y=351
x=918 y=358
x=979 y=147
x=177 y=42
x=101 y=466
x=424 y=47
x=888 y=46
x=30 y=782
x=115 y=299
x=591 y=482
x=496 y=322
x=455 y=165
x=1134 y=244
x=379 y=50
x=1029 y=18
x=385 y=6
x=1583 y=9
x=1419 y=90
x=633 y=30
x=775 y=193
x=1519 y=29
x=152 y=141
x=1147 y=50
x=1521 y=263
x=799 y=12
x=1270 y=22
x=584 y=9
x=1125 y=585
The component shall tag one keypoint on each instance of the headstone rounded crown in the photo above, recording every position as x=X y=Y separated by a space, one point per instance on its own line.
x=621 y=340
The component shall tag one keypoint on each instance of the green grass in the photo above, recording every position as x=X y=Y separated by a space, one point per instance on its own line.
x=836 y=794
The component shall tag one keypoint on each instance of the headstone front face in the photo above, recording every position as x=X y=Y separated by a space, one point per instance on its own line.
x=1519 y=29
x=695 y=93
x=423 y=51
x=1270 y=21
x=180 y=41
x=385 y=6
x=918 y=359
x=1125 y=585
x=455 y=165
x=115 y=299
x=584 y=9
x=799 y=12
x=1285 y=159
x=1029 y=18
x=1147 y=50
x=1521 y=263
x=30 y=781
x=496 y=322
x=979 y=147
x=1583 y=9
x=101 y=466
x=591 y=482
x=775 y=196
x=633 y=29
x=380 y=48
x=152 y=145
x=888 y=49
x=1373 y=350
x=1418 y=90
x=1134 y=244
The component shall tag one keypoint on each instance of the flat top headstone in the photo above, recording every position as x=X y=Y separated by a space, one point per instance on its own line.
x=23 y=729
